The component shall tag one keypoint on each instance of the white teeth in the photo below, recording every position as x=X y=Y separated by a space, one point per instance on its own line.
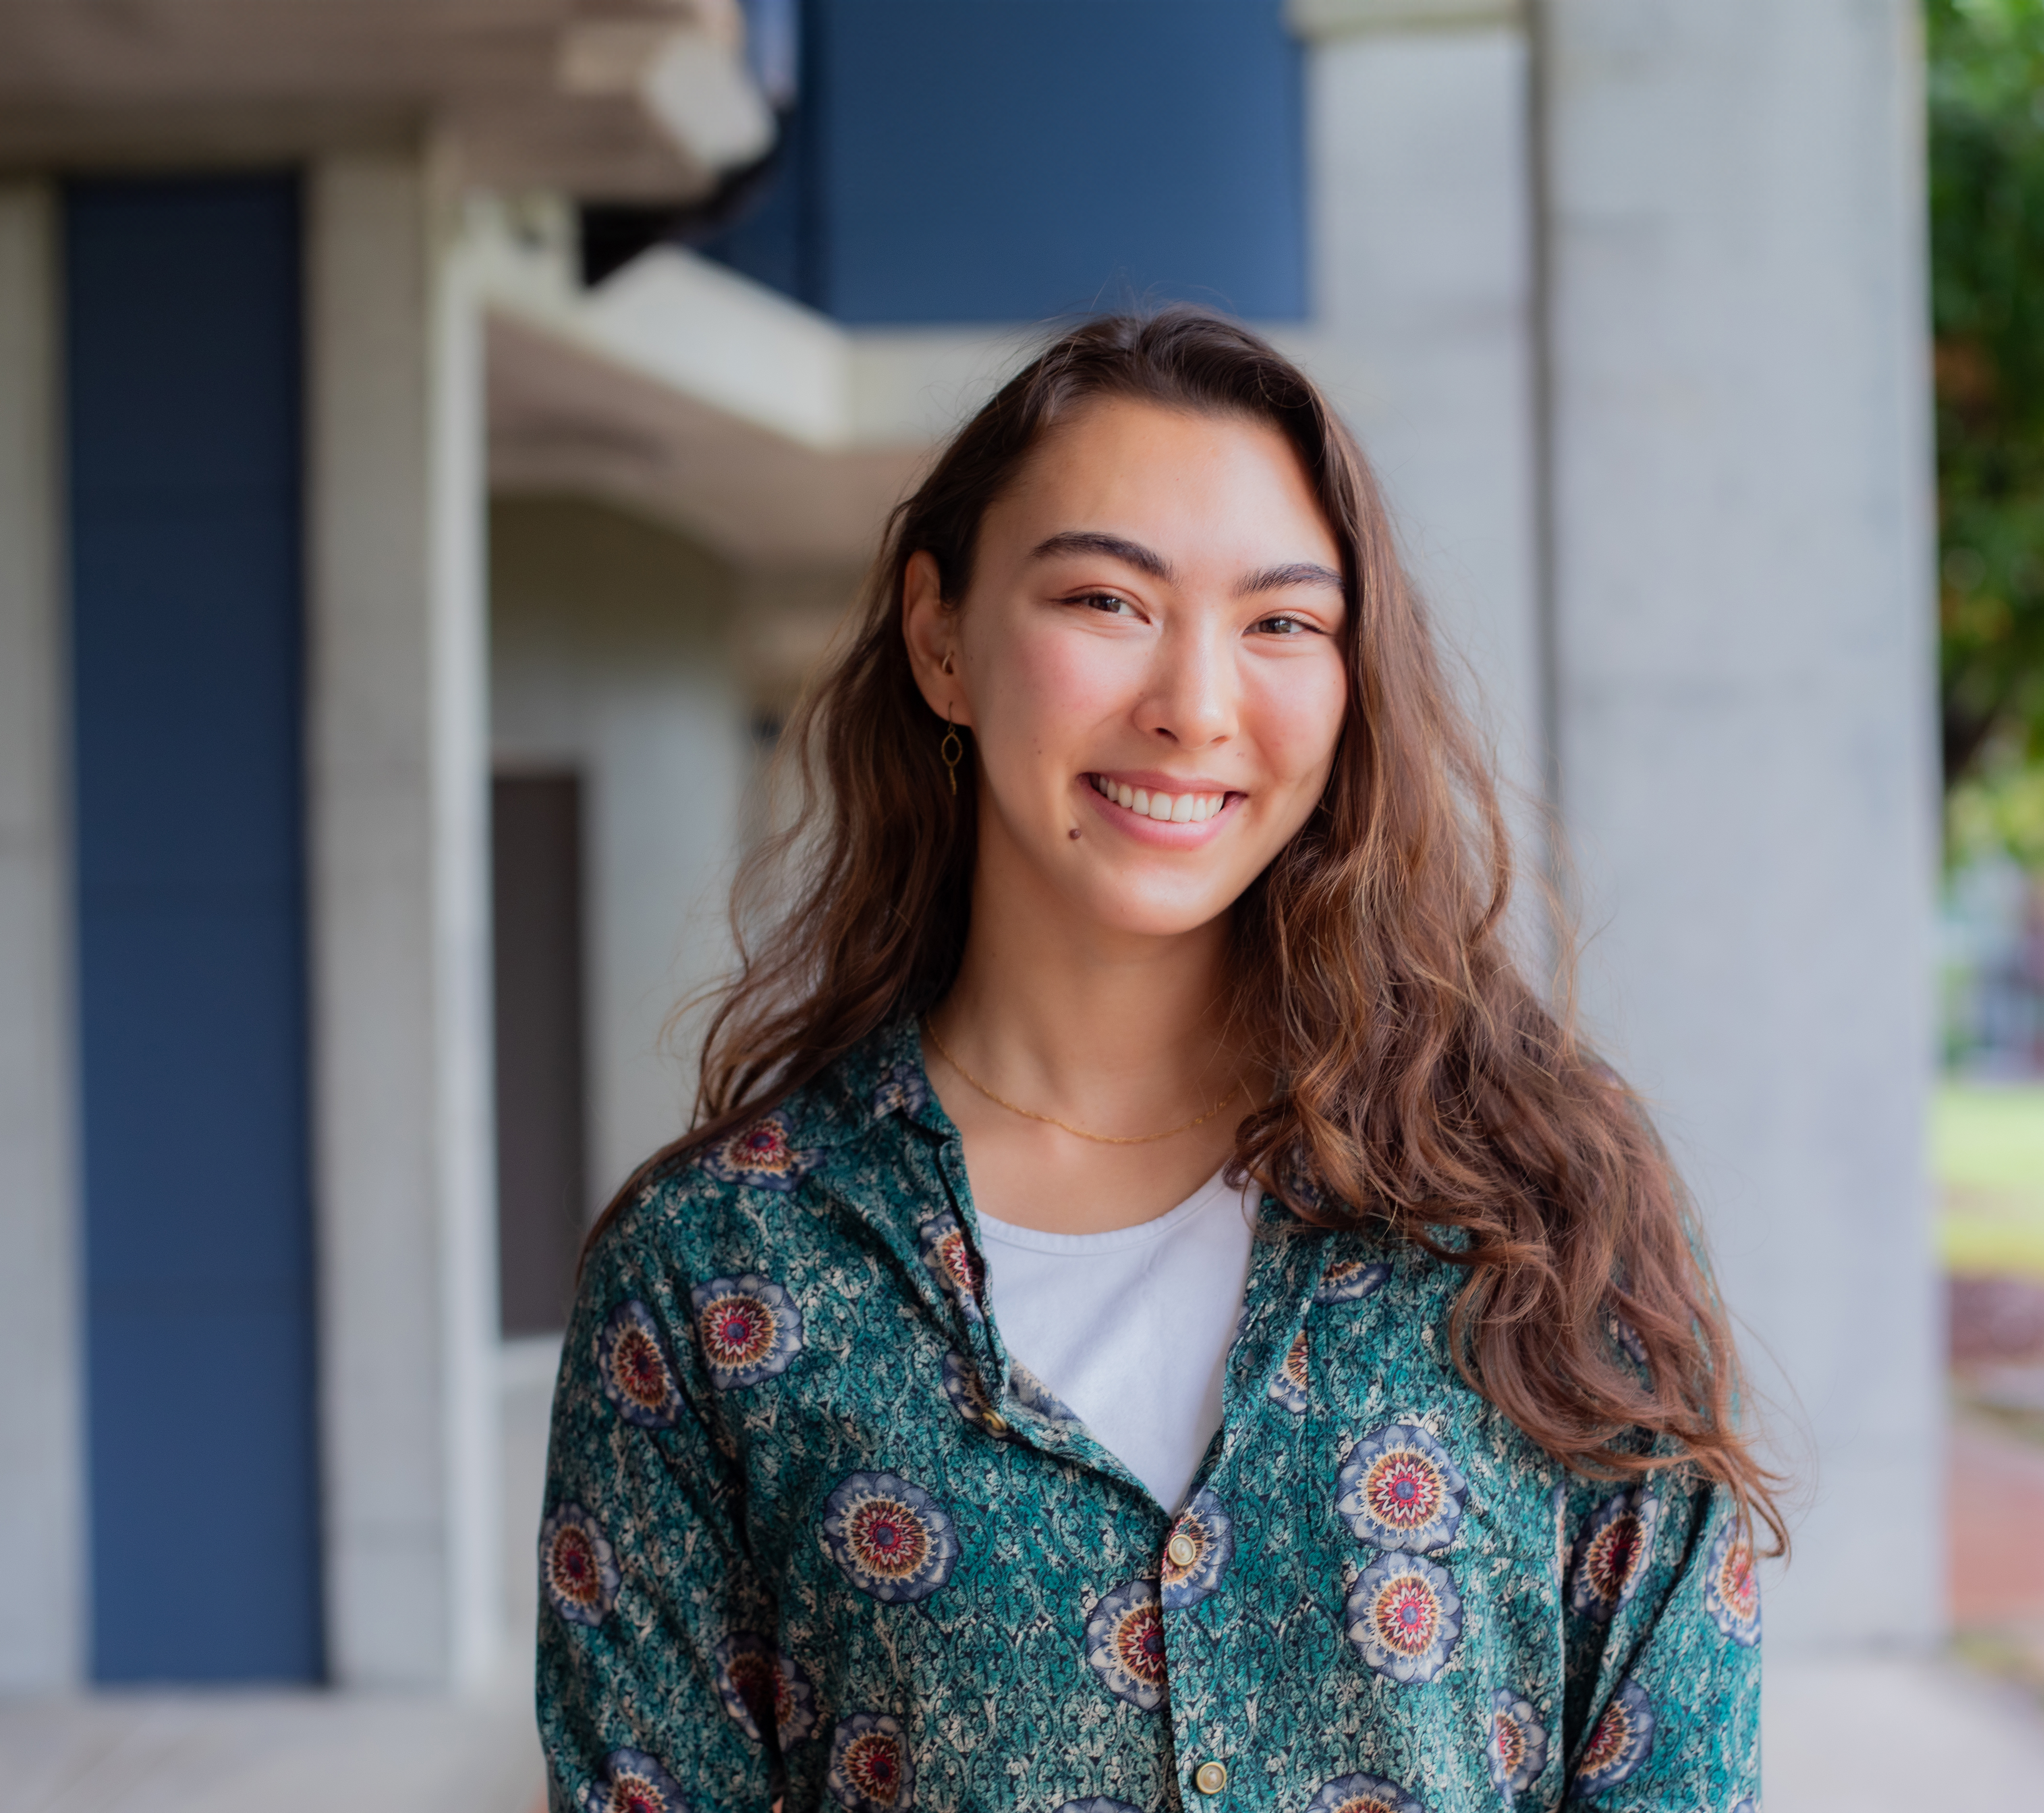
x=1172 y=809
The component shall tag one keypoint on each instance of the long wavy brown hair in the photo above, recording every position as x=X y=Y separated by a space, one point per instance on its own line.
x=1421 y=1081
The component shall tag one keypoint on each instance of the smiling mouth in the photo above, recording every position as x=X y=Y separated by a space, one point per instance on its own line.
x=1167 y=808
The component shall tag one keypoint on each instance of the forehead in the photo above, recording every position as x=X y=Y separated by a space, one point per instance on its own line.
x=1197 y=487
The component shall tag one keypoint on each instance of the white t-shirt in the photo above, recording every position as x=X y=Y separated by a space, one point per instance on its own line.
x=1131 y=1329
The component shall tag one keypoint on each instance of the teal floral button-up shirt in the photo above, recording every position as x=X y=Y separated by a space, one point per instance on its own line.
x=811 y=1535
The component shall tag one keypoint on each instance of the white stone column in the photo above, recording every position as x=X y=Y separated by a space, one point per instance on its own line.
x=42 y=1498
x=1422 y=276
x=1742 y=545
x=400 y=861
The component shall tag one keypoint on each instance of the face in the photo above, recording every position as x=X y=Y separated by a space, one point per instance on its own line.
x=1149 y=660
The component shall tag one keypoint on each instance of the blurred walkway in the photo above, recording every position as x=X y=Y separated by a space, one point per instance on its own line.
x=265 y=1752
x=1842 y=1737
x=1894 y=1736
x=1897 y=1737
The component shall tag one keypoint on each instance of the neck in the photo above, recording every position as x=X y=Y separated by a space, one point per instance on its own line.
x=1106 y=1027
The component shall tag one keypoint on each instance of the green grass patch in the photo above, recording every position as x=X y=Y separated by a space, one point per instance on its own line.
x=1987 y=1143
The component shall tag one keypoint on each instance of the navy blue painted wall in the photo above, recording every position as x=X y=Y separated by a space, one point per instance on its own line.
x=182 y=323
x=1004 y=160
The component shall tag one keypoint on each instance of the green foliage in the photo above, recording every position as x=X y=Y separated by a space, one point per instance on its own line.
x=1987 y=240
x=1998 y=806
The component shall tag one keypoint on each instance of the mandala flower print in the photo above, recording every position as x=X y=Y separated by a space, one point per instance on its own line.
x=632 y=1362
x=890 y=1538
x=1611 y=1553
x=759 y=1155
x=1124 y=1643
x=870 y=1769
x=1405 y=1617
x=968 y=1396
x=946 y=1251
x=1350 y=1281
x=1096 y=1803
x=1517 y=1746
x=794 y=1700
x=1400 y=1489
x=763 y=1689
x=750 y=1329
x=1620 y=1742
x=1197 y=1554
x=901 y=1091
x=577 y=1566
x=746 y=1674
x=633 y=1782
x=1364 y=1794
x=1731 y=1589
x=1288 y=1384
x=1031 y=1393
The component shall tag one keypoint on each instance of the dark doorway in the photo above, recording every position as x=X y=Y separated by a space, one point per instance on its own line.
x=541 y=1176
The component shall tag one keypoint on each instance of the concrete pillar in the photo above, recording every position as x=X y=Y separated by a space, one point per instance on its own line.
x=400 y=804
x=1742 y=585
x=42 y=1509
x=1424 y=312
x=611 y=648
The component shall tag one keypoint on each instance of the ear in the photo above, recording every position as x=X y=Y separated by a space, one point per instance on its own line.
x=930 y=626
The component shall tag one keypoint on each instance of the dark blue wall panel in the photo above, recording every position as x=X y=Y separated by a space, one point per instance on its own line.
x=184 y=356
x=1004 y=160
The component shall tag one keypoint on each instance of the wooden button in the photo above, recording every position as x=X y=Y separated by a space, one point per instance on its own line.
x=1210 y=1778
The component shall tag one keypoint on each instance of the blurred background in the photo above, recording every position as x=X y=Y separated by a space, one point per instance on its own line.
x=437 y=437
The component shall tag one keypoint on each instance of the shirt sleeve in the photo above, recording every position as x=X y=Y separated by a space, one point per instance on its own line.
x=657 y=1665
x=1663 y=1630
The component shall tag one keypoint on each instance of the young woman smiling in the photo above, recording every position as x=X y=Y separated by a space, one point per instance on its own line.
x=1155 y=1311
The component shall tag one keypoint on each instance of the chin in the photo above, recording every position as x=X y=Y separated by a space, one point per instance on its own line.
x=1125 y=906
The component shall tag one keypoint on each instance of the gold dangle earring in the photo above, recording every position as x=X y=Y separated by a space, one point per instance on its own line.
x=952 y=749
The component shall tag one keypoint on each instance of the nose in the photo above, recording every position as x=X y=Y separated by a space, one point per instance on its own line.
x=1190 y=699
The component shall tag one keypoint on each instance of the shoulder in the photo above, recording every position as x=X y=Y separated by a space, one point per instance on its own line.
x=853 y=1114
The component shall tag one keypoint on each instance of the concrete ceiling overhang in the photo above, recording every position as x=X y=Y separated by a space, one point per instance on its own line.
x=764 y=432
x=617 y=99
x=565 y=418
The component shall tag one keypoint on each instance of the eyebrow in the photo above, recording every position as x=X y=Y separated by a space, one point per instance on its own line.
x=1145 y=560
x=1086 y=541
x=1294 y=573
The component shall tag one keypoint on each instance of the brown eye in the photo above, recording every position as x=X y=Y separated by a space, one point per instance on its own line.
x=1285 y=626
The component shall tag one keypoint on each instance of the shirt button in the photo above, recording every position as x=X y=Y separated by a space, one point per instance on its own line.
x=1183 y=1551
x=1210 y=1778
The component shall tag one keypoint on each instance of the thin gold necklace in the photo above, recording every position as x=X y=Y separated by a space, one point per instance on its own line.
x=1052 y=1120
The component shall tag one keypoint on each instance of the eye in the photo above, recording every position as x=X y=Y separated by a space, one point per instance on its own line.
x=1286 y=626
x=1108 y=604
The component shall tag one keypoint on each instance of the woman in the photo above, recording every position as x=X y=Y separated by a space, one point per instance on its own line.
x=1155 y=1311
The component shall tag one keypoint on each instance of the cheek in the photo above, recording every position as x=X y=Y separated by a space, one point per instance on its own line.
x=1295 y=709
x=1053 y=690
